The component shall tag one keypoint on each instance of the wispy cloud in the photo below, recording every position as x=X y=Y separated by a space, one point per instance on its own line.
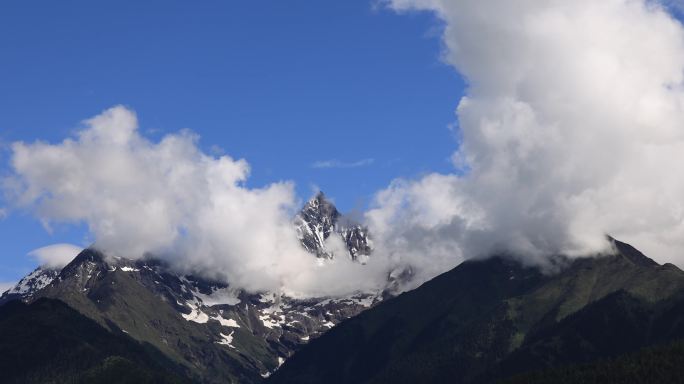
x=334 y=163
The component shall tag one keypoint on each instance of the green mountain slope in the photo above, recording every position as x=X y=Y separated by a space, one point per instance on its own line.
x=120 y=302
x=48 y=342
x=487 y=319
x=659 y=364
x=215 y=333
x=608 y=328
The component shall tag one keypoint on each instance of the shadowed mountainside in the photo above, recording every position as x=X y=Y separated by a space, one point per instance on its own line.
x=48 y=342
x=490 y=319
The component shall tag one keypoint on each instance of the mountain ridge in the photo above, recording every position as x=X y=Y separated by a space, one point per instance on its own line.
x=466 y=321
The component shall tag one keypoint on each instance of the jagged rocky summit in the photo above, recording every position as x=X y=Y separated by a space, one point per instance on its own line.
x=319 y=223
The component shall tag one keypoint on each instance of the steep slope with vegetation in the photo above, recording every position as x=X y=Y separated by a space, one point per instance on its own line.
x=489 y=319
x=48 y=342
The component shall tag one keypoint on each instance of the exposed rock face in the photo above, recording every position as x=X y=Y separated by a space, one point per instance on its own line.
x=319 y=223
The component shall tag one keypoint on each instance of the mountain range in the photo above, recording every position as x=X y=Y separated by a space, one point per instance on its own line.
x=487 y=320
x=209 y=330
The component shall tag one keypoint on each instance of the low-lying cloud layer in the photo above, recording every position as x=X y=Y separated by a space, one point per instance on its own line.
x=572 y=127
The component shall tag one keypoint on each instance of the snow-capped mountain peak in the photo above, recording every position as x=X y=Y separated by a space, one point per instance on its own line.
x=319 y=223
x=38 y=279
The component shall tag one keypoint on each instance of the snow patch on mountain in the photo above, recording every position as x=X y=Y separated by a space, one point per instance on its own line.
x=226 y=339
x=34 y=281
x=226 y=322
x=226 y=296
x=195 y=314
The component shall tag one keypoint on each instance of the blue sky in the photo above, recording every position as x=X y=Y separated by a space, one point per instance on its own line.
x=339 y=95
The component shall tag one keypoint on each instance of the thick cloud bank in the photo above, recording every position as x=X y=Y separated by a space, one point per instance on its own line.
x=572 y=127
x=175 y=202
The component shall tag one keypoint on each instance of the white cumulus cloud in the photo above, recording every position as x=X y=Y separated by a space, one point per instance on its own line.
x=572 y=127
x=173 y=201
